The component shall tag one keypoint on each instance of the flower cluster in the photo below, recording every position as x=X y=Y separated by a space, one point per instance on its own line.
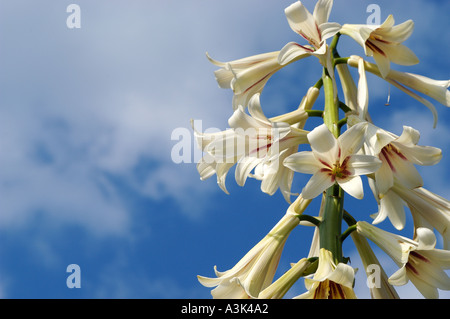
x=267 y=149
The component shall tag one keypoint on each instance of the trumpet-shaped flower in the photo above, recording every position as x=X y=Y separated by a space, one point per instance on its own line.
x=399 y=154
x=253 y=142
x=384 y=42
x=314 y=28
x=427 y=209
x=418 y=259
x=334 y=161
x=436 y=89
x=255 y=271
x=248 y=76
x=330 y=281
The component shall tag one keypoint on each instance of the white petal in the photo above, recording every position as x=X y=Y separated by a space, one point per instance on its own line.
x=318 y=183
x=244 y=167
x=343 y=275
x=383 y=63
x=329 y=29
x=398 y=33
x=352 y=139
x=363 y=164
x=353 y=186
x=426 y=238
x=322 y=11
x=399 y=278
x=292 y=52
x=303 y=162
x=406 y=172
x=398 y=53
x=302 y=21
x=384 y=178
x=392 y=206
x=241 y=120
x=324 y=144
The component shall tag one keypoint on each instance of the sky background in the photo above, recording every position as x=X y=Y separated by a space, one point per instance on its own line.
x=86 y=122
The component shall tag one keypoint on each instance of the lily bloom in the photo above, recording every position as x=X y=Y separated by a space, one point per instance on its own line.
x=330 y=281
x=255 y=271
x=252 y=143
x=399 y=154
x=314 y=28
x=407 y=82
x=384 y=42
x=427 y=209
x=248 y=76
x=418 y=259
x=334 y=161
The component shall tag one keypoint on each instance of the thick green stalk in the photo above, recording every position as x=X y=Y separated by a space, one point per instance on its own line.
x=330 y=228
x=331 y=112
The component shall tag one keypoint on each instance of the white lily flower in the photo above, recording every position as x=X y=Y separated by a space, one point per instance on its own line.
x=334 y=161
x=418 y=259
x=314 y=28
x=427 y=208
x=255 y=271
x=253 y=142
x=399 y=154
x=380 y=289
x=247 y=76
x=330 y=281
x=436 y=89
x=384 y=42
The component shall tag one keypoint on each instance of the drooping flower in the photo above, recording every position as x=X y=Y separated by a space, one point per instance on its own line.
x=418 y=260
x=384 y=42
x=379 y=286
x=255 y=271
x=427 y=209
x=247 y=76
x=407 y=82
x=253 y=143
x=334 y=161
x=314 y=28
x=282 y=285
x=330 y=281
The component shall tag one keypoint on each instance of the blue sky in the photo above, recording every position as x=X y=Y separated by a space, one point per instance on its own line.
x=86 y=117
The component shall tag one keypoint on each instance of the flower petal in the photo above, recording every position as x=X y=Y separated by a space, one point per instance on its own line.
x=322 y=11
x=363 y=164
x=292 y=52
x=302 y=22
x=352 y=185
x=318 y=183
x=244 y=167
x=352 y=139
x=324 y=144
x=303 y=162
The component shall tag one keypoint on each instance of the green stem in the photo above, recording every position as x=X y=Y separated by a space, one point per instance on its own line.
x=333 y=44
x=319 y=84
x=331 y=225
x=347 y=232
x=314 y=113
x=310 y=219
x=344 y=107
x=342 y=123
x=340 y=61
x=331 y=112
